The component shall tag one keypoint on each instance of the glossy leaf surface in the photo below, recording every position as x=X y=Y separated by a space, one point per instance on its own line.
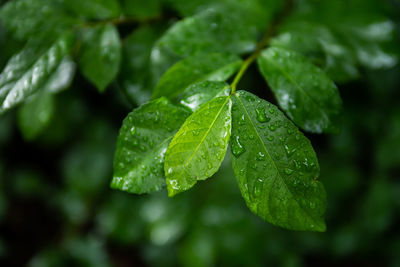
x=318 y=43
x=100 y=56
x=36 y=18
x=198 y=149
x=211 y=67
x=303 y=91
x=142 y=142
x=200 y=93
x=27 y=71
x=275 y=166
x=214 y=29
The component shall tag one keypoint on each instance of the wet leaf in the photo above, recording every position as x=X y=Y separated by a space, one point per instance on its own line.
x=303 y=91
x=142 y=142
x=275 y=166
x=211 y=67
x=198 y=149
x=29 y=70
x=199 y=93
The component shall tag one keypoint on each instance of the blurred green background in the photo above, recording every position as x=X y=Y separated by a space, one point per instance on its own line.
x=56 y=207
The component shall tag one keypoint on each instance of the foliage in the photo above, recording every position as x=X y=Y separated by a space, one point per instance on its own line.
x=190 y=78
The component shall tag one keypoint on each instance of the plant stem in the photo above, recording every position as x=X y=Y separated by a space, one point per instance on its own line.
x=262 y=44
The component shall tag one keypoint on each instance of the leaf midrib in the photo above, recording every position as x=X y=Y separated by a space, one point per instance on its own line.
x=202 y=140
x=273 y=162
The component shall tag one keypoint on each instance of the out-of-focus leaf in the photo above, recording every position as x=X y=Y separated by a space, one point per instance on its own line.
x=319 y=44
x=141 y=9
x=199 y=249
x=62 y=77
x=303 y=91
x=119 y=219
x=29 y=70
x=100 y=55
x=86 y=251
x=94 y=9
x=387 y=155
x=87 y=165
x=199 y=93
x=193 y=35
x=275 y=166
x=35 y=115
x=211 y=67
x=199 y=147
x=216 y=29
x=135 y=76
x=142 y=142
x=36 y=18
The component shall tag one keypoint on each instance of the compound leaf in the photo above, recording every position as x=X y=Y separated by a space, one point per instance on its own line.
x=275 y=166
x=142 y=142
x=303 y=91
x=100 y=56
x=212 y=67
x=198 y=149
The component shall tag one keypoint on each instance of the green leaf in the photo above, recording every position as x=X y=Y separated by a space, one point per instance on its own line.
x=199 y=147
x=36 y=18
x=100 y=56
x=228 y=28
x=29 y=70
x=275 y=166
x=142 y=142
x=212 y=67
x=213 y=30
x=319 y=44
x=141 y=9
x=303 y=91
x=135 y=76
x=199 y=93
x=94 y=9
x=35 y=115
x=62 y=76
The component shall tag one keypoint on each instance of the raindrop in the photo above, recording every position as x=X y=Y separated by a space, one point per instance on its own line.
x=261 y=117
x=195 y=132
x=237 y=148
x=288 y=171
x=258 y=187
x=260 y=156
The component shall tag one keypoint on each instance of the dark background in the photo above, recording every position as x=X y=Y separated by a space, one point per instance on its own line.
x=56 y=207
